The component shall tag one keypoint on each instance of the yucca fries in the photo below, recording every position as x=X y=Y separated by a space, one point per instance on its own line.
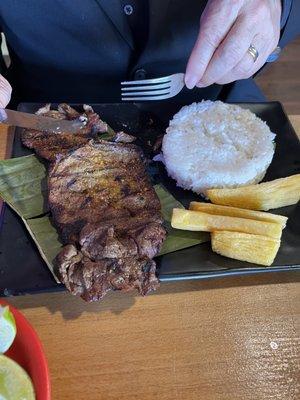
x=237 y=212
x=264 y=196
x=245 y=247
x=199 y=221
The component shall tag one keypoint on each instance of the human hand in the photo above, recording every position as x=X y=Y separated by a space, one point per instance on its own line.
x=5 y=92
x=227 y=29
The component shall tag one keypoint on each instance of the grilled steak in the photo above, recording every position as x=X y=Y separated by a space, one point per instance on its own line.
x=98 y=181
x=103 y=206
x=49 y=144
x=108 y=215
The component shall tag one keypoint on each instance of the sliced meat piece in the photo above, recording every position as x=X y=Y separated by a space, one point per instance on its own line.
x=82 y=276
x=64 y=111
x=101 y=241
x=122 y=137
x=94 y=122
x=67 y=259
x=92 y=280
x=49 y=145
x=148 y=238
x=68 y=111
x=111 y=240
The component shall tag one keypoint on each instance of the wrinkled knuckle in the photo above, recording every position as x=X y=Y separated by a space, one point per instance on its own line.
x=201 y=65
x=232 y=55
x=5 y=91
x=249 y=27
x=3 y=81
x=212 y=37
x=263 y=9
x=251 y=19
x=257 y=15
x=4 y=84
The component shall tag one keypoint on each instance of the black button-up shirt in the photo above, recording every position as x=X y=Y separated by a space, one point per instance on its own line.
x=137 y=15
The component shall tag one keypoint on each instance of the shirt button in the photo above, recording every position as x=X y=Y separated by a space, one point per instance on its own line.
x=140 y=74
x=128 y=9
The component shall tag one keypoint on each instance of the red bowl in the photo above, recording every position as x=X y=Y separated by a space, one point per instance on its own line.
x=28 y=352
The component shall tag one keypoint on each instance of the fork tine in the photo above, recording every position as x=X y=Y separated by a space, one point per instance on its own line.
x=149 y=87
x=147 y=98
x=164 y=79
x=146 y=93
x=152 y=89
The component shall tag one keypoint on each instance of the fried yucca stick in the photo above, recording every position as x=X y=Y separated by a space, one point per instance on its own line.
x=199 y=221
x=264 y=196
x=237 y=212
x=255 y=249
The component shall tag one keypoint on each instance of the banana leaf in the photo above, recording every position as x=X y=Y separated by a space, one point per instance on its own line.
x=176 y=239
x=23 y=186
x=46 y=239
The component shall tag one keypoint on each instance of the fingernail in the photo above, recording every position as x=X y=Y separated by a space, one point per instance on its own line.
x=190 y=81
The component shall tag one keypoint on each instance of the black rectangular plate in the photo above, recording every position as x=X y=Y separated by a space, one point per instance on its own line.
x=22 y=270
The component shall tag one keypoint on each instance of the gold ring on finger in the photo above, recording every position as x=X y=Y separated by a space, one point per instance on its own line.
x=253 y=52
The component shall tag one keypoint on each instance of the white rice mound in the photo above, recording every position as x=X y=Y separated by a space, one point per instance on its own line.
x=216 y=145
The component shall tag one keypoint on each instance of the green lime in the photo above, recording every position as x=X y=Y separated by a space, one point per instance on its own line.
x=15 y=383
x=8 y=329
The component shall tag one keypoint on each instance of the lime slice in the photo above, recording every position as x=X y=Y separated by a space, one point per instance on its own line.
x=8 y=329
x=15 y=383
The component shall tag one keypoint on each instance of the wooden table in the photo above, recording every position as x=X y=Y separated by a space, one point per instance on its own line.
x=233 y=338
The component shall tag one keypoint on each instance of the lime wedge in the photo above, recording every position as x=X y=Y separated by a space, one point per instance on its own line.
x=8 y=329
x=15 y=383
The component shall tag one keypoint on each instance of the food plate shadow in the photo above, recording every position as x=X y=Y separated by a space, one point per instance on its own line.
x=71 y=307
x=118 y=303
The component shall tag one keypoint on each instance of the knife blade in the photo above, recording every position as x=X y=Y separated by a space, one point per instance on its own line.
x=38 y=122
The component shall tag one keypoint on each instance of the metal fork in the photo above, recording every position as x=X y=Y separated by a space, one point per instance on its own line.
x=152 y=89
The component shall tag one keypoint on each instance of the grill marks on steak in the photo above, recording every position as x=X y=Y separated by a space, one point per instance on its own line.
x=99 y=181
x=48 y=144
x=108 y=215
x=103 y=205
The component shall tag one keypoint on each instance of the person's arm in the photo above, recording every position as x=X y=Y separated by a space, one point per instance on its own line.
x=290 y=21
x=227 y=29
x=5 y=88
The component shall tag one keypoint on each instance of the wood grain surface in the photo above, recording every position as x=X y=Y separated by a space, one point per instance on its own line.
x=233 y=338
